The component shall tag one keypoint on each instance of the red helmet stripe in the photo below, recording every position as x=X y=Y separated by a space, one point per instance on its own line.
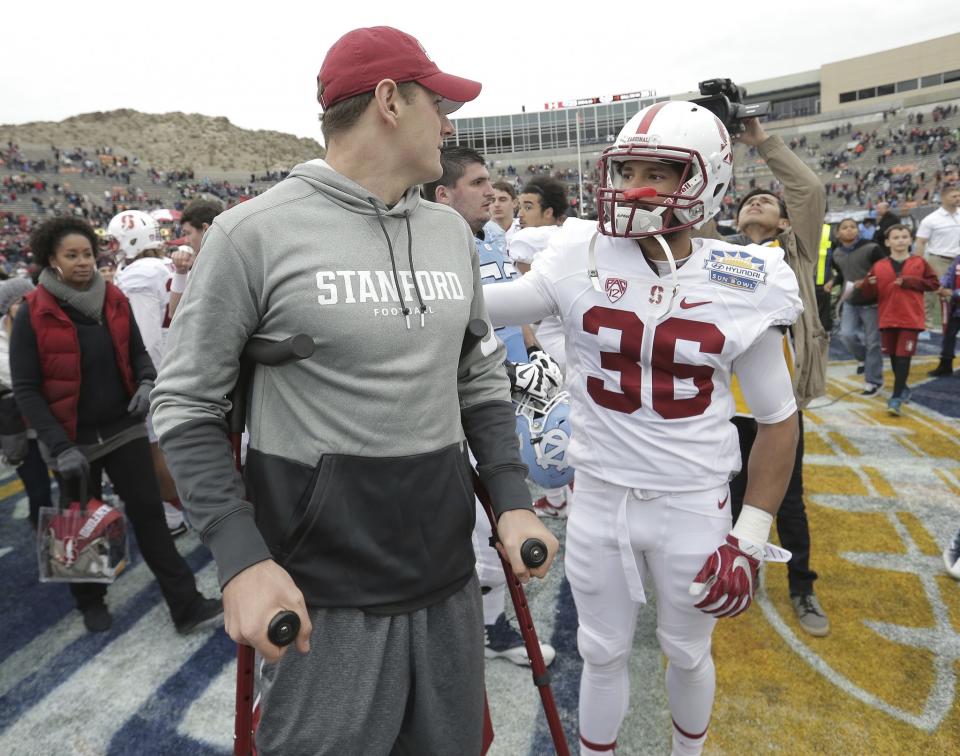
x=649 y=116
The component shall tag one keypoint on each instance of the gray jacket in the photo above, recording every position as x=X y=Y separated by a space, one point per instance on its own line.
x=356 y=471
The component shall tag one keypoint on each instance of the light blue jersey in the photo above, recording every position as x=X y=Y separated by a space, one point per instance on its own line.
x=495 y=268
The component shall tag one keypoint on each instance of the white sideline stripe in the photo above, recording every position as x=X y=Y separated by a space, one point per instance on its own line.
x=149 y=653
x=39 y=652
x=210 y=718
x=21 y=510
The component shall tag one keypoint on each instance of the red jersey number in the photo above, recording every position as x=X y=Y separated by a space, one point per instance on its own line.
x=664 y=364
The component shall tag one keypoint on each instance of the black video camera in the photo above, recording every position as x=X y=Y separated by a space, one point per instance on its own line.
x=724 y=99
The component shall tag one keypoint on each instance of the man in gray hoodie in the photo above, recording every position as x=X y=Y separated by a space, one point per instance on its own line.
x=360 y=506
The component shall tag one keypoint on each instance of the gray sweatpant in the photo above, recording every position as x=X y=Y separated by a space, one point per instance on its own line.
x=372 y=684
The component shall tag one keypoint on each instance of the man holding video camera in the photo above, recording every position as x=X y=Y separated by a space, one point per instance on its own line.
x=793 y=222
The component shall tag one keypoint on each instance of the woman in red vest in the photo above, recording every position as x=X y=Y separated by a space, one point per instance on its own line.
x=82 y=379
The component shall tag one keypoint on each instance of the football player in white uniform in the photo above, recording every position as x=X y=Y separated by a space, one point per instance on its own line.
x=656 y=324
x=144 y=277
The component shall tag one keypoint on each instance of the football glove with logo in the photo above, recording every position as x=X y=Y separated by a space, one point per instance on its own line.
x=725 y=584
x=540 y=378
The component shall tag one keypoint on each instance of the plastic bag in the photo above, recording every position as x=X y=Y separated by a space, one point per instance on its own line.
x=82 y=543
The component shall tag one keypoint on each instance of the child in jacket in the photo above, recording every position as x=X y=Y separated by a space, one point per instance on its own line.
x=898 y=282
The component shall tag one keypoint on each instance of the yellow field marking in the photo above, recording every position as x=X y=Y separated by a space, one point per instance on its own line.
x=951 y=597
x=947 y=481
x=11 y=488
x=812 y=417
x=936 y=425
x=880 y=484
x=843 y=444
x=936 y=445
x=832 y=479
x=909 y=446
x=796 y=698
x=921 y=536
x=813 y=443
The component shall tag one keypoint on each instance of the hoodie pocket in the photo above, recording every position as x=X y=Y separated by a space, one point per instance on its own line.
x=377 y=531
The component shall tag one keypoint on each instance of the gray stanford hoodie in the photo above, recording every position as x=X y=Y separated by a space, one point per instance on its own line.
x=356 y=474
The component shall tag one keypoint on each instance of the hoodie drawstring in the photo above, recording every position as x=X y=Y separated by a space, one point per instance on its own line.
x=413 y=273
x=405 y=311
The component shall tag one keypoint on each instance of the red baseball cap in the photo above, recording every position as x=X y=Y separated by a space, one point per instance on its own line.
x=362 y=58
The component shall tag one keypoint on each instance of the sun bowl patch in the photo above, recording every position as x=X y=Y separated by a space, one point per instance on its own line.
x=738 y=270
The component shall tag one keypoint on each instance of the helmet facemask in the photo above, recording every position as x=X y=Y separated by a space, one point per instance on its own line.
x=643 y=212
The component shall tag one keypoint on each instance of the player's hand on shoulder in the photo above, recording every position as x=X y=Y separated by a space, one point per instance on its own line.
x=516 y=526
x=540 y=378
x=253 y=597
x=728 y=579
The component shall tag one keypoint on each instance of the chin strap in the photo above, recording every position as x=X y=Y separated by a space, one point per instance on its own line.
x=592 y=263
x=673 y=275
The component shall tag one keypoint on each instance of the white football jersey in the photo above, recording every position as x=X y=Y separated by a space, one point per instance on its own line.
x=145 y=284
x=649 y=374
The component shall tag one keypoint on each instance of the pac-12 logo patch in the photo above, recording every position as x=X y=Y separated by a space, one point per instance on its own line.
x=738 y=270
x=615 y=288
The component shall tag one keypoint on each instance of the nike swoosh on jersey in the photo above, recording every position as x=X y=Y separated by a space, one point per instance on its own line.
x=685 y=305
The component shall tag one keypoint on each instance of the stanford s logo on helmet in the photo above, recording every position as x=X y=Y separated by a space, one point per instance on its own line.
x=677 y=132
x=134 y=232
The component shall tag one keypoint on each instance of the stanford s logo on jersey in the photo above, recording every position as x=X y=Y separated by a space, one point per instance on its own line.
x=615 y=288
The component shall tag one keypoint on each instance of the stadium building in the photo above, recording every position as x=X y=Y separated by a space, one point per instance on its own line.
x=875 y=92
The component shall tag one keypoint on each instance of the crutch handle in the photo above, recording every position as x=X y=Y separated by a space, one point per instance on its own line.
x=284 y=628
x=533 y=552
x=476 y=332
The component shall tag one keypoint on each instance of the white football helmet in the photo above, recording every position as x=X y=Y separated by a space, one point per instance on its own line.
x=676 y=132
x=134 y=232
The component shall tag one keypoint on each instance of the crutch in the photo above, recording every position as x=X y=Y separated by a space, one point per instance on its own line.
x=533 y=551
x=285 y=625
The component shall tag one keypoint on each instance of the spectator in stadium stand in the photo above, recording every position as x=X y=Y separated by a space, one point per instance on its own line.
x=82 y=377
x=795 y=224
x=195 y=219
x=504 y=209
x=898 y=282
x=543 y=202
x=885 y=218
x=938 y=239
x=950 y=294
x=859 y=326
x=19 y=443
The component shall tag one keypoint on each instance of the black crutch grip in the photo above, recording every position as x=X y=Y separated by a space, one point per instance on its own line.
x=476 y=332
x=284 y=628
x=533 y=552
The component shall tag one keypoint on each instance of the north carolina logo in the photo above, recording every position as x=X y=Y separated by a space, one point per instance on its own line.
x=738 y=270
x=615 y=288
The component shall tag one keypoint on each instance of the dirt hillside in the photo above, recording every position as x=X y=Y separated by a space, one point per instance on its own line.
x=170 y=141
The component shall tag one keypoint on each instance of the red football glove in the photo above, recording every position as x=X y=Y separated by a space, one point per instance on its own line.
x=729 y=577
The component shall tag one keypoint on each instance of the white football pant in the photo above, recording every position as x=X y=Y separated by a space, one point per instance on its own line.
x=618 y=539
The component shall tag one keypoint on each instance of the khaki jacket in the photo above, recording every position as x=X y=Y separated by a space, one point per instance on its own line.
x=806 y=205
